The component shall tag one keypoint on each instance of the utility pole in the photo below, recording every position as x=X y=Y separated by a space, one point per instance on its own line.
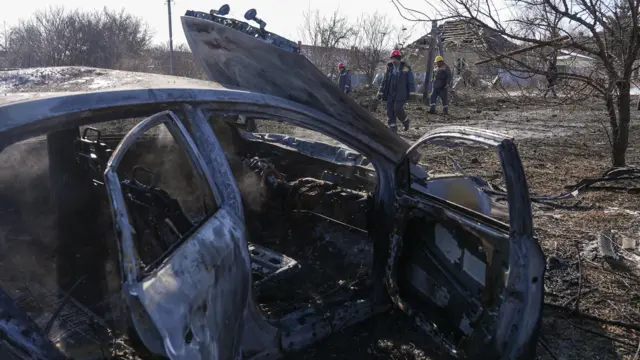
x=430 y=58
x=6 y=45
x=170 y=39
x=4 y=34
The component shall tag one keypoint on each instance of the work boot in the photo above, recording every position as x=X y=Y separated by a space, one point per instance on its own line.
x=445 y=110
x=393 y=128
x=406 y=124
x=432 y=109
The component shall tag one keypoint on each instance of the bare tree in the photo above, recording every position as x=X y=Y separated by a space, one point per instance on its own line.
x=400 y=36
x=542 y=23
x=606 y=30
x=56 y=37
x=372 y=42
x=326 y=38
x=122 y=35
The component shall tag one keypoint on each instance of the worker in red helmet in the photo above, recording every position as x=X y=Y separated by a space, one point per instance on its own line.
x=344 y=82
x=397 y=84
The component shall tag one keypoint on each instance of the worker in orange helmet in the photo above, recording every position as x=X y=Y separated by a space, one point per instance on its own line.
x=344 y=82
x=397 y=84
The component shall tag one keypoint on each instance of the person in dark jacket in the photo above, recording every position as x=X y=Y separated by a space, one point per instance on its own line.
x=440 y=86
x=552 y=80
x=397 y=83
x=344 y=82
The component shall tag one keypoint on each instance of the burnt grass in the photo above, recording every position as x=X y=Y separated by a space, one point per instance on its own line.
x=587 y=296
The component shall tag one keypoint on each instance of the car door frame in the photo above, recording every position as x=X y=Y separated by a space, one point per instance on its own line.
x=214 y=257
x=520 y=311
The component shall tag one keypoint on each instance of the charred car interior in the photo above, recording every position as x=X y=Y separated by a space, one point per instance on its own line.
x=248 y=218
x=295 y=193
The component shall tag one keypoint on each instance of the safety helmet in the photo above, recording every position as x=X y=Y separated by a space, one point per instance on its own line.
x=439 y=58
x=396 y=53
x=340 y=66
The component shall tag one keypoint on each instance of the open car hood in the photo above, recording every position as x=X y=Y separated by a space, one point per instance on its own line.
x=234 y=58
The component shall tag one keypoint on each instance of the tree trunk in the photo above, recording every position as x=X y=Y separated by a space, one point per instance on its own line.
x=429 y=70
x=371 y=76
x=621 y=135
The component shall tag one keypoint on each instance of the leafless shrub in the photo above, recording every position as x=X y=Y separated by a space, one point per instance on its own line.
x=183 y=61
x=57 y=37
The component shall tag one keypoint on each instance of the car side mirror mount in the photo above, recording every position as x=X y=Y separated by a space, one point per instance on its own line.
x=224 y=10
x=251 y=14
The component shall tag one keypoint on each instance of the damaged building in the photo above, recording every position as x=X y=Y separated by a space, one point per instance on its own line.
x=463 y=44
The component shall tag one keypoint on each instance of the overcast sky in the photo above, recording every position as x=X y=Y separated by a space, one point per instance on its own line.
x=283 y=17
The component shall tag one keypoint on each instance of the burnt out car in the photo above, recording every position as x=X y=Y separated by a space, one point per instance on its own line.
x=140 y=205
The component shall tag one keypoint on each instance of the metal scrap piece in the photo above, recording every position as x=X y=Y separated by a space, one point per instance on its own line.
x=606 y=241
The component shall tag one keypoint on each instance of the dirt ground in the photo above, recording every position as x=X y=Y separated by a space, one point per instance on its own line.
x=592 y=302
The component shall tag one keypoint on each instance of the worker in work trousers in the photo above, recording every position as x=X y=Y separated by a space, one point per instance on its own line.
x=440 y=86
x=344 y=82
x=397 y=83
x=552 y=80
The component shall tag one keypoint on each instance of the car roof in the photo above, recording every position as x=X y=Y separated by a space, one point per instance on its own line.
x=108 y=94
x=18 y=85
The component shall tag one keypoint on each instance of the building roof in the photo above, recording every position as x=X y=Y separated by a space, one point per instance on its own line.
x=464 y=33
